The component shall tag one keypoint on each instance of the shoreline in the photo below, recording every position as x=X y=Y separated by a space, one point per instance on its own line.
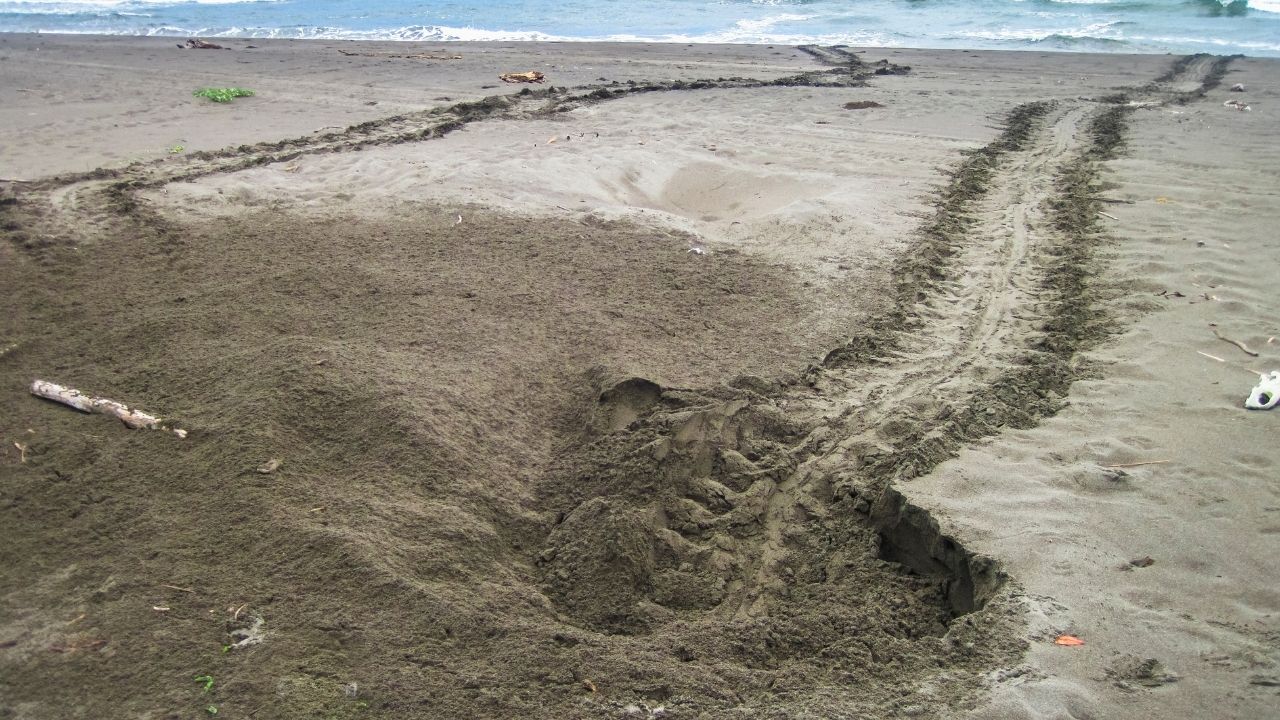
x=835 y=201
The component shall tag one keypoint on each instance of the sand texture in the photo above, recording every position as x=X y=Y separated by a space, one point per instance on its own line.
x=706 y=382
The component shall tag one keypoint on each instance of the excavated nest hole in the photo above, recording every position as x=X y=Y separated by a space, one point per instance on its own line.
x=679 y=507
x=910 y=536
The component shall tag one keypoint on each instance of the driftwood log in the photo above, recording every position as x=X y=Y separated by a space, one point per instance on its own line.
x=87 y=403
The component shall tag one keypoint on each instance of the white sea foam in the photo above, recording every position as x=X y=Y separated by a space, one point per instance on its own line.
x=435 y=33
x=762 y=24
x=1103 y=31
x=413 y=33
x=862 y=39
x=1183 y=41
x=6 y=5
x=1069 y=24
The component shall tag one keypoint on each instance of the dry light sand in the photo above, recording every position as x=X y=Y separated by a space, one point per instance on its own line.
x=700 y=381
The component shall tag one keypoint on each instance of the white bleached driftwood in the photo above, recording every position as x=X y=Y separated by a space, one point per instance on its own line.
x=87 y=403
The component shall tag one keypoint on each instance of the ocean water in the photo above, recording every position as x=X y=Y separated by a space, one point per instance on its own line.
x=1251 y=27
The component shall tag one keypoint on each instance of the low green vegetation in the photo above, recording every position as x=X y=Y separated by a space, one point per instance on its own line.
x=222 y=95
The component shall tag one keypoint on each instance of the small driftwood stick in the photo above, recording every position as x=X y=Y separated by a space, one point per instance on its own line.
x=1237 y=343
x=1108 y=216
x=1136 y=464
x=87 y=403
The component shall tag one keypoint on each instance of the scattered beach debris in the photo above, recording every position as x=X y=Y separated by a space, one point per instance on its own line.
x=207 y=681
x=1069 y=640
x=862 y=105
x=532 y=76
x=270 y=466
x=416 y=56
x=222 y=95
x=1237 y=105
x=1144 y=561
x=22 y=451
x=1238 y=87
x=1108 y=216
x=250 y=634
x=71 y=397
x=698 y=250
x=161 y=608
x=1266 y=393
x=179 y=589
x=1237 y=343
x=198 y=44
x=642 y=710
x=590 y=686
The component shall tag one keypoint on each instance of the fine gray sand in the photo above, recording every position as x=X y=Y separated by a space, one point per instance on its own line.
x=699 y=381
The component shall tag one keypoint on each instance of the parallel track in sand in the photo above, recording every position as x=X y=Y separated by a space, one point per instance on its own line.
x=719 y=535
x=780 y=498
x=991 y=344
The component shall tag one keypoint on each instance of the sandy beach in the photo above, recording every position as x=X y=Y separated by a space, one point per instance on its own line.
x=697 y=381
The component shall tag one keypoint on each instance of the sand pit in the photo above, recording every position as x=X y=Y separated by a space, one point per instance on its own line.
x=623 y=425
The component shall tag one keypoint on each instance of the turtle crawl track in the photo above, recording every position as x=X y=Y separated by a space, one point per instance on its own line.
x=753 y=510
x=744 y=542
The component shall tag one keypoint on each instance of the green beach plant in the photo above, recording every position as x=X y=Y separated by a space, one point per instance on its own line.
x=222 y=95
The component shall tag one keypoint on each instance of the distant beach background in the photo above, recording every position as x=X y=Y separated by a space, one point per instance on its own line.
x=1145 y=26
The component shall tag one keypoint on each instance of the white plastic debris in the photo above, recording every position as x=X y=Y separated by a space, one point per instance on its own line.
x=1266 y=394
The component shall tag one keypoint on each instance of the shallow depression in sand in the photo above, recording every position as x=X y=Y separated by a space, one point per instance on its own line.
x=439 y=396
x=796 y=177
